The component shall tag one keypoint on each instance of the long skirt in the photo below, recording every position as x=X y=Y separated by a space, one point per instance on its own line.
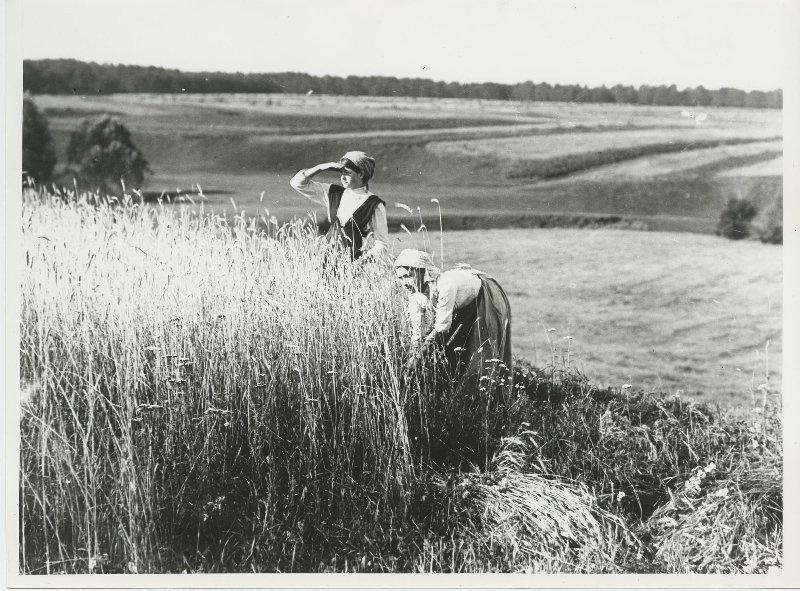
x=478 y=344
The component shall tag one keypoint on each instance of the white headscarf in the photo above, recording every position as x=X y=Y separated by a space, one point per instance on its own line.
x=418 y=259
x=365 y=164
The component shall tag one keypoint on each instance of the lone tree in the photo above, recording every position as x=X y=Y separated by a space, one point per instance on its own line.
x=102 y=155
x=38 y=152
x=734 y=221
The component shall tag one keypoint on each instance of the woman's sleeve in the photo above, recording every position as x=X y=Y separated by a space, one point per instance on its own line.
x=445 y=305
x=380 y=232
x=317 y=192
x=417 y=304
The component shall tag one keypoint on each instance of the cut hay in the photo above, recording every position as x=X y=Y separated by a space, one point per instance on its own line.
x=538 y=522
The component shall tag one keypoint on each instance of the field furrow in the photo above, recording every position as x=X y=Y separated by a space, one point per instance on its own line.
x=673 y=163
x=770 y=168
x=567 y=144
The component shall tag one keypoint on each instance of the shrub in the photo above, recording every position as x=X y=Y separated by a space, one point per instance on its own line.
x=102 y=155
x=768 y=224
x=38 y=152
x=734 y=221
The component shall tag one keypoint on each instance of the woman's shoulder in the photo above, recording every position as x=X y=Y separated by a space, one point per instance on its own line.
x=460 y=276
x=460 y=271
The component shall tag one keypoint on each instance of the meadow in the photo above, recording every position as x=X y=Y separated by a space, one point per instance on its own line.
x=235 y=401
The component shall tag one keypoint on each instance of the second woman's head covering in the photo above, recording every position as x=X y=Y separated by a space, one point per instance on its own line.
x=363 y=163
x=418 y=259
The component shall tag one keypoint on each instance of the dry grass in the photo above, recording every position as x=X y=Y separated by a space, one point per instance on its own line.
x=215 y=352
x=234 y=401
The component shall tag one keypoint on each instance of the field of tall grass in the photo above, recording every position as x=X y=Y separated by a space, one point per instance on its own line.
x=199 y=395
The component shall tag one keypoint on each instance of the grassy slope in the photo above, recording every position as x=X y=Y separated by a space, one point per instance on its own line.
x=204 y=431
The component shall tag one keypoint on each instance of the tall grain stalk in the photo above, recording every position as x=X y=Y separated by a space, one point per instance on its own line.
x=181 y=368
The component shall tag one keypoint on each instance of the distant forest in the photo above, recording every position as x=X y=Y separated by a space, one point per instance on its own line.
x=67 y=76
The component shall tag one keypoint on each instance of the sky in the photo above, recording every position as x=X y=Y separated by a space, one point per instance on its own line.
x=714 y=43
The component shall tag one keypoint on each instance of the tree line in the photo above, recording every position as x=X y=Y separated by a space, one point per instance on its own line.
x=67 y=76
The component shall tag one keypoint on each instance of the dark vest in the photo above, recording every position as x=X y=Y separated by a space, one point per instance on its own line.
x=351 y=234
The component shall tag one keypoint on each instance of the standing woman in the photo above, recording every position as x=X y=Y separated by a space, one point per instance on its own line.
x=471 y=315
x=355 y=213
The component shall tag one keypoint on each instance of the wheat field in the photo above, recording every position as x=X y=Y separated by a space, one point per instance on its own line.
x=200 y=395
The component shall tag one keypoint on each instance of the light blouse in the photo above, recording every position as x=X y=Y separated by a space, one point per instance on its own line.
x=351 y=200
x=452 y=290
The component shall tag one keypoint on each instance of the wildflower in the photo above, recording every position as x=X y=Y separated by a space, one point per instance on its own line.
x=710 y=468
x=626 y=386
x=722 y=493
x=620 y=495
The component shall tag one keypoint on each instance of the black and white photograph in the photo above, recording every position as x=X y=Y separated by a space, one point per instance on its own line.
x=425 y=293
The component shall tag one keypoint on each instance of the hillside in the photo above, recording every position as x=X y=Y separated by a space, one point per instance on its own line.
x=491 y=162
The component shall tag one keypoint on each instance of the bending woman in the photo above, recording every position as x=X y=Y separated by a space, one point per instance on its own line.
x=471 y=315
x=354 y=212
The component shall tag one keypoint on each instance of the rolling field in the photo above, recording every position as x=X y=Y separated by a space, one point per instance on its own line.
x=479 y=158
x=683 y=162
x=664 y=312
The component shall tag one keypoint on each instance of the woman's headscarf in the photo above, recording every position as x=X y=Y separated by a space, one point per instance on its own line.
x=418 y=259
x=363 y=163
